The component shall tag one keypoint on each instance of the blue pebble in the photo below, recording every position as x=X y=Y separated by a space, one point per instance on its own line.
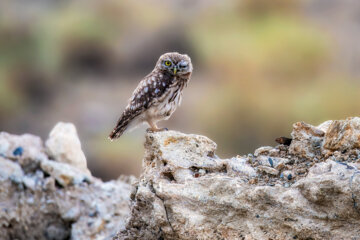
x=271 y=162
x=289 y=177
x=281 y=175
x=18 y=151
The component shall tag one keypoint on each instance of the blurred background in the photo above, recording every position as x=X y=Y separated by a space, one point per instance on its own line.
x=259 y=66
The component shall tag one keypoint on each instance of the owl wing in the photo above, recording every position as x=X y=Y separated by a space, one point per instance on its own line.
x=146 y=94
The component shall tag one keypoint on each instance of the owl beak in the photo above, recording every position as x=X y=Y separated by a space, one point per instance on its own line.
x=175 y=70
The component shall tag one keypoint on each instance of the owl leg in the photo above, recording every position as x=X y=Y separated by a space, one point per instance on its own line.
x=153 y=127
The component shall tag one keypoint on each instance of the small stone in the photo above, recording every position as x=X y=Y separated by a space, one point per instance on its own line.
x=63 y=173
x=18 y=151
x=269 y=170
x=271 y=162
x=64 y=146
x=288 y=175
x=239 y=166
x=262 y=151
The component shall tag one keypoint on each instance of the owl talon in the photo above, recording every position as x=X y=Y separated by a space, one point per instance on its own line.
x=150 y=130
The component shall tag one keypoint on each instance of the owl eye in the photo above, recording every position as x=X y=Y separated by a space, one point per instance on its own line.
x=167 y=63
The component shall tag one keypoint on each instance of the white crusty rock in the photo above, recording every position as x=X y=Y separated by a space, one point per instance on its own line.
x=308 y=190
x=10 y=170
x=306 y=140
x=343 y=134
x=186 y=192
x=64 y=146
x=63 y=173
x=44 y=199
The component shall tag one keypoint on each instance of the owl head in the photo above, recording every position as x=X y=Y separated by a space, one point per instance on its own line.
x=175 y=63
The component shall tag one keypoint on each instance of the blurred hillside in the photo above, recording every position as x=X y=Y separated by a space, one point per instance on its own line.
x=259 y=66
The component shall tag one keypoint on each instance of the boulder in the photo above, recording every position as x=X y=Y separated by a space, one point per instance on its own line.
x=43 y=199
x=282 y=192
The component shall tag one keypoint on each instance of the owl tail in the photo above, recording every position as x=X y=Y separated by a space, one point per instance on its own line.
x=121 y=126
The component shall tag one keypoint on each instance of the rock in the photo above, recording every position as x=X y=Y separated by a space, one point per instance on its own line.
x=288 y=175
x=307 y=140
x=64 y=146
x=263 y=151
x=325 y=125
x=343 y=135
x=308 y=190
x=63 y=173
x=273 y=162
x=45 y=199
x=239 y=166
x=10 y=170
x=185 y=192
x=268 y=170
x=27 y=149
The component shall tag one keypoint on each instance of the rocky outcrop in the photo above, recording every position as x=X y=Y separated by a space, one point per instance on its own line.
x=48 y=193
x=308 y=190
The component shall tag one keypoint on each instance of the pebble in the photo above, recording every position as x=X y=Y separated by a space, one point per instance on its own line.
x=287 y=175
x=271 y=162
x=268 y=170
x=18 y=151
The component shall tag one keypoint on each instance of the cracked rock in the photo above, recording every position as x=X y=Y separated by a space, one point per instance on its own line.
x=44 y=199
x=282 y=192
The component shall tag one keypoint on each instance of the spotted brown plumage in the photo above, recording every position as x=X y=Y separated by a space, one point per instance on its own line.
x=157 y=95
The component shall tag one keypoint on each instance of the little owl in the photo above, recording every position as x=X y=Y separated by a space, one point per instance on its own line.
x=157 y=95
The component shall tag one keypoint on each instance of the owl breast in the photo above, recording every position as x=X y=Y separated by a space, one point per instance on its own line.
x=168 y=103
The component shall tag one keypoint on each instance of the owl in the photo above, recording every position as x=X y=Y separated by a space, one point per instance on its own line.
x=157 y=95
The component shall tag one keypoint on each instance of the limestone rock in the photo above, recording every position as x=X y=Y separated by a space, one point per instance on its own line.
x=10 y=170
x=64 y=146
x=295 y=192
x=343 y=134
x=307 y=140
x=63 y=173
x=308 y=190
x=44 y=199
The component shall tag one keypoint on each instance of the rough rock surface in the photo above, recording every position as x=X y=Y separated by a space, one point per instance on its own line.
x=45 y=199
x=308 y=190
x=64 y=146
